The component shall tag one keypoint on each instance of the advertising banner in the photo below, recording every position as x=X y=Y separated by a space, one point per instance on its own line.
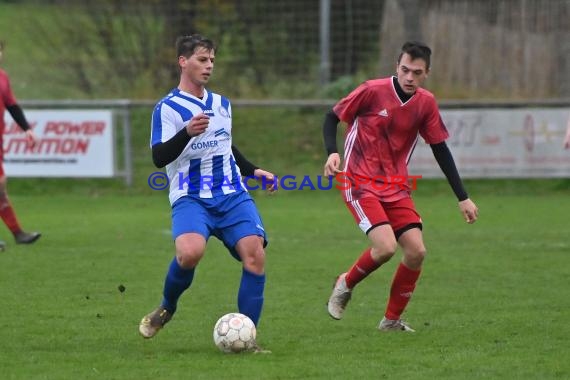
x=71 y=143
x=501 y=143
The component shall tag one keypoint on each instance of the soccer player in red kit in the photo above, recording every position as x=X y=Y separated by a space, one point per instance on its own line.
x=8 y=102
x=385 y=118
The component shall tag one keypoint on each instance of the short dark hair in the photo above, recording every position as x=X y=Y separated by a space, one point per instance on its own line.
x=187 y=45
x=416 y=50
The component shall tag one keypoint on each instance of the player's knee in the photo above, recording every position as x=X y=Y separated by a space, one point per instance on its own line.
x=384 y=243
x=188 y=260
x=381 y=256
x=415 y=258
x=187 y=257
x=190 y=249
x=384 y=250
x=254 y=260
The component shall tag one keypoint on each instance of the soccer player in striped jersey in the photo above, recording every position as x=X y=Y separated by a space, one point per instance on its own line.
x=8 y=102
x=191 y=134
x=385 y=117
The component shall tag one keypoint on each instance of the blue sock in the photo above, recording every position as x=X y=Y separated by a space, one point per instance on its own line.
x=250 y=295
x=177 y=281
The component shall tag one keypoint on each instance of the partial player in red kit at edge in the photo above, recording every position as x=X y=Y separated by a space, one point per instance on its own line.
x=8 y=102
x=385 y=118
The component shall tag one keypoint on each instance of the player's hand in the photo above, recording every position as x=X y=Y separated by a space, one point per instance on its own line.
x=332 y=166
x=267 y=179
x=469 y=210
x=31 y=138
x=197 y=125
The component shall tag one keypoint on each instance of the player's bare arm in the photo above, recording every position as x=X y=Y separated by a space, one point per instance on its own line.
x=268 y=178
x=31 y=138
x=332 y=166
x=197 y=125
x=469 y=210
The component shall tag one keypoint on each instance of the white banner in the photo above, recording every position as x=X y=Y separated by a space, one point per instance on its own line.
x=507 y=143
x=71 y=143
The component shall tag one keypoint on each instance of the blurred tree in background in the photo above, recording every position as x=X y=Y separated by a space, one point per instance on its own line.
x=271 y=48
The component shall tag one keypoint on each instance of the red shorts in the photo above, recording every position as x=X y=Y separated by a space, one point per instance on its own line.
x=370 y=212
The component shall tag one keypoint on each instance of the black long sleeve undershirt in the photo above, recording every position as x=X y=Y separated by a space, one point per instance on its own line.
x=166 y=152
x=247 y=168
x=329 y=132
x=18 y=115
x=447 y=164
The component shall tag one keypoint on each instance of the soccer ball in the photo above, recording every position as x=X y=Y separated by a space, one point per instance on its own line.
x=234 y=332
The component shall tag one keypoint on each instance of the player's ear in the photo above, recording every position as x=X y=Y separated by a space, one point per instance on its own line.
x=181 y=60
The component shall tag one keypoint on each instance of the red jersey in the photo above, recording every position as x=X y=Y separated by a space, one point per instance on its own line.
x=6 y=98
x=381 y=137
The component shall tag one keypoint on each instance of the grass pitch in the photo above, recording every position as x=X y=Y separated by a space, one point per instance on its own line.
x=493 y=300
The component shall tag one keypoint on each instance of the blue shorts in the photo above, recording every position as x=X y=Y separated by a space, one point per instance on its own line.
x=229 y=218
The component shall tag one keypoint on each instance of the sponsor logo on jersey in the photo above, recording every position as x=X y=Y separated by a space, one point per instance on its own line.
x=221 y=132
x=224 y=112
x=384 y=113
x=204 y=144
x=209 y=112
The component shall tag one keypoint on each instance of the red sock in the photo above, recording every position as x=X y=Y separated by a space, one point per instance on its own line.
x=361 y=268
x=9 y=217
x=403 y=286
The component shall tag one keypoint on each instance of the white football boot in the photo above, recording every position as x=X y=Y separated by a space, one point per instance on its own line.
x=394 y=325
x=339 y=298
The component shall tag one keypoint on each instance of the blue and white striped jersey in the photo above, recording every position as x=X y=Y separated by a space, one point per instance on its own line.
x=206 y=167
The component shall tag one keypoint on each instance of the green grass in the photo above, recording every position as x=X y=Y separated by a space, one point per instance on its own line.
x=492 y=302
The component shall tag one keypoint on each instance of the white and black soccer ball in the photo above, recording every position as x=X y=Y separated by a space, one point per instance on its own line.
x=234 y=332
